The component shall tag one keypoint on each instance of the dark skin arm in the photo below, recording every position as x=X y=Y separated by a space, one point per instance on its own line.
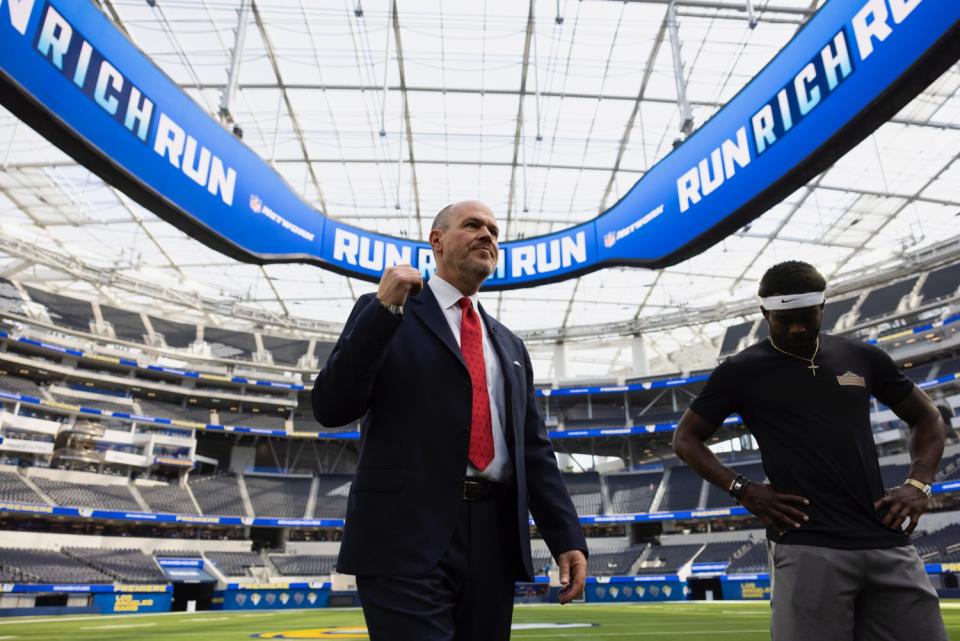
x=927 y=435
x=777 y=510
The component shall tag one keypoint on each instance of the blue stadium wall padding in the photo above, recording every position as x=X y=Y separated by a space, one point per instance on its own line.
x=47 y=611
x=291 y=598
x=71 y=75
x=633 y=589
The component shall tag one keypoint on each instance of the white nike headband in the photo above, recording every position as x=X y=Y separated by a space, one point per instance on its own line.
x=792 y=301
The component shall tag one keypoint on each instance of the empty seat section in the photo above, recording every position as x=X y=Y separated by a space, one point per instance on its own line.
x=178 y=554
x=10 y=300
x=884 y=300
x=167 y=498
x=19 y=385
x=941 y=283
x=235 y=563
x=949 y=366
x=304 y=564
x=63 y=310
x=14 y=490
x=683 y=490
x=280 y=497
x=48 y=566
x=287 y=351
x=633 y=493
x=919 y=373
x=542 y=560
x=332 y=491
x=218 y=495
x=612 y=559
x=159 y=409
x=99 y=404
x=939 y=546
x=833 y=310
x=949 y=469
x=657 y=416
x=719 y=552
x=125 y=565
x=102 y=497
x=894 y=475
x=174 y=334
x=126 y=325
x=753 y=559
x=668 y=559
x=321 y=351
x=262 y=419
x=584 y=489
x=229 y=344
x=733 y=336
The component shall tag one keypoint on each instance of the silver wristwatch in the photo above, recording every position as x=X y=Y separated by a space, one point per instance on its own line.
x=396 y=310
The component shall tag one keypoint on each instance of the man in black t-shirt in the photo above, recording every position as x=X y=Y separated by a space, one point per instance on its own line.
x=842 y=568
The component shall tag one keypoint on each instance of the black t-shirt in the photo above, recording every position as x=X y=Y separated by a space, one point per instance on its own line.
x=814 y=432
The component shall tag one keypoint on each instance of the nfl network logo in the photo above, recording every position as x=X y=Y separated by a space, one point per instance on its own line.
x=255 y=203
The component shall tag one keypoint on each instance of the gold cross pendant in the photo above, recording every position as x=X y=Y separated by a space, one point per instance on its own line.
x=813 y=368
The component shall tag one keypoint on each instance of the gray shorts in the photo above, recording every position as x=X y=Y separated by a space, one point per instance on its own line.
x=823 y=594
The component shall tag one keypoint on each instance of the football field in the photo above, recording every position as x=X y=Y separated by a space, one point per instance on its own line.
x=720 y=621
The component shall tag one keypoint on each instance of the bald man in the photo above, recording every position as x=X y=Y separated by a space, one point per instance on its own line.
x=454 y=453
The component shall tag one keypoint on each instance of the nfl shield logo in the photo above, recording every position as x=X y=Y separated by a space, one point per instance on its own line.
x=255 y=203
x=609 y=239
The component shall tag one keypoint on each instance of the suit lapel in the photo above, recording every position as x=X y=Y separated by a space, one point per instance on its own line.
x=427 y=309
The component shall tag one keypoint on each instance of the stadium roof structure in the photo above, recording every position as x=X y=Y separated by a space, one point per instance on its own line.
x=549 y=111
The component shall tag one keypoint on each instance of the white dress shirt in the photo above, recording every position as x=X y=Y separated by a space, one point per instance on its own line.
x=448 y=296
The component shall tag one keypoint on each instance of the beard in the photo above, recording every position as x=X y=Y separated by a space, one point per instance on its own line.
x=467 y=266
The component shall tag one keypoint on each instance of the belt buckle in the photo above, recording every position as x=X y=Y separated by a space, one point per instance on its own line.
x=472 y=490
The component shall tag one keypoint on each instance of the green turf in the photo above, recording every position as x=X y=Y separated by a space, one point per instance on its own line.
x=700 y=621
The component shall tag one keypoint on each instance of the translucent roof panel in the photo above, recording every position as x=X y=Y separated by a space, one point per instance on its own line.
x=548 y=111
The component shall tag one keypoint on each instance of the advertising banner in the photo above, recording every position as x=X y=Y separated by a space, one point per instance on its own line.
x=69 y=73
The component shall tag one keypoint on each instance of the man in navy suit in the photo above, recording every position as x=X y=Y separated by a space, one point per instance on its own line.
x=453 y=454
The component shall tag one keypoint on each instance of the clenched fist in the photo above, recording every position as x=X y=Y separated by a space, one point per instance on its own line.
x=397 y=283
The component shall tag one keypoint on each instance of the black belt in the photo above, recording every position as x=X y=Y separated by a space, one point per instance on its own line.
x=478 y=489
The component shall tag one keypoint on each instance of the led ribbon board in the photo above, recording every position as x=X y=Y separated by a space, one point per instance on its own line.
x=69 y=73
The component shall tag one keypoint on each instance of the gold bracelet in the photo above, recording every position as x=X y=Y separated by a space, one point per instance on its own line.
x=923 y=487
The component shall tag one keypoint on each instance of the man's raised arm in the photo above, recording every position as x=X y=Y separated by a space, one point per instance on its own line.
x=341 y=393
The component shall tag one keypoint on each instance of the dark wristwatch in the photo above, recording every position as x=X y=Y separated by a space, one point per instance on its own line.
x=738 y=487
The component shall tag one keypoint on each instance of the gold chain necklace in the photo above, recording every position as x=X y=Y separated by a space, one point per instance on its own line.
x=812 y=367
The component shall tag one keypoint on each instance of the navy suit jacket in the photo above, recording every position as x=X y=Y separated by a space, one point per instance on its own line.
x=407 y=379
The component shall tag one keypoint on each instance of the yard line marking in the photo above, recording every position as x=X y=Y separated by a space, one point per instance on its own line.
x=117 y=626
x=94 y=617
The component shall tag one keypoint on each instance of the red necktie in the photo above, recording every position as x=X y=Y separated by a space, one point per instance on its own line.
x=471 y=345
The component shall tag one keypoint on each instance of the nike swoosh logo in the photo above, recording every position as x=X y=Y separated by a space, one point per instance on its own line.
x=789 y=300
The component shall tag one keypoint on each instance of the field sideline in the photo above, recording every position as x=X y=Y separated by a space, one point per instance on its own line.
x=718 y=621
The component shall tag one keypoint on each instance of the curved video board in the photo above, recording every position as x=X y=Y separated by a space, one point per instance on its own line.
x=69 y=73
